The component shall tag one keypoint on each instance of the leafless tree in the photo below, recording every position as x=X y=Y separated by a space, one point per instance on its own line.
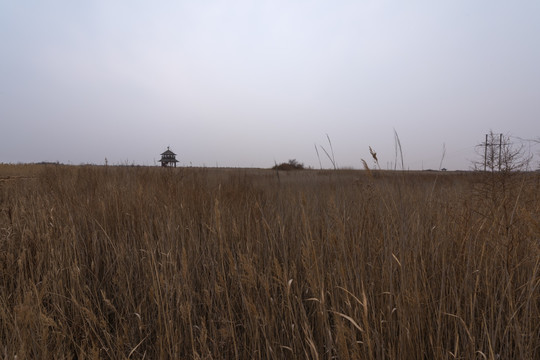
x=499 y=153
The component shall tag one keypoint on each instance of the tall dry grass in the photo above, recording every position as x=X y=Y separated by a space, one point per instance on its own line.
x=127 y=262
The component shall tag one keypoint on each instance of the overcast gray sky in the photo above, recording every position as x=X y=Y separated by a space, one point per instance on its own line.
x=247 y=83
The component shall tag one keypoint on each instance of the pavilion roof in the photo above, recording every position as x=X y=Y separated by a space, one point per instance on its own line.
x=168 y=152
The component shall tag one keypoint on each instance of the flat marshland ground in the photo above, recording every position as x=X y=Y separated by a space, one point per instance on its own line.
x=137 y=262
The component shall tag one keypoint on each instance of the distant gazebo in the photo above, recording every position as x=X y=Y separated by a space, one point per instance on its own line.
x=168 y=158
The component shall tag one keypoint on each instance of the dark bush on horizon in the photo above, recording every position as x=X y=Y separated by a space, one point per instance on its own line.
x=292 y=164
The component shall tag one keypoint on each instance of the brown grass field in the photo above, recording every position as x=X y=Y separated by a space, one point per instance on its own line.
x=151 y=263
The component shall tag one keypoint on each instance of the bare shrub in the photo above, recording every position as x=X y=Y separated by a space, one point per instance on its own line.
x=292 y=164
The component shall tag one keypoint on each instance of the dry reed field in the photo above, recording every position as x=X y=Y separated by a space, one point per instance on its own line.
x=151 y=263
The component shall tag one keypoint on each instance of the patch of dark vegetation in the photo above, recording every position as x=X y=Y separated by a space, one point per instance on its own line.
x=292 y=164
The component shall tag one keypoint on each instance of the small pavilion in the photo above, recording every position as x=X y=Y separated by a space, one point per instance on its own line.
x=168 y=158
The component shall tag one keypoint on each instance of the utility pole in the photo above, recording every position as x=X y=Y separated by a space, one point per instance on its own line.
x=485 y=152
x=490 y=141
x=500 y=147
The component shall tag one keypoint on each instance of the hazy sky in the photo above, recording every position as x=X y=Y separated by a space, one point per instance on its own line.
x=247 y=83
